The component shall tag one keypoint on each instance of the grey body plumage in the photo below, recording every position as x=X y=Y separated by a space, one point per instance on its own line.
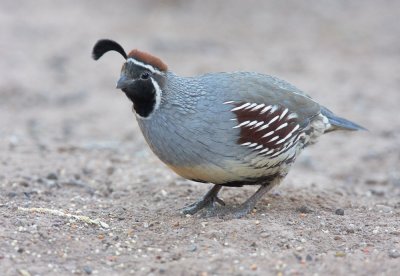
x=230 y=129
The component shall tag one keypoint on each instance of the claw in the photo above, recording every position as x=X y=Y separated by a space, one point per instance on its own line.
x=207 y=202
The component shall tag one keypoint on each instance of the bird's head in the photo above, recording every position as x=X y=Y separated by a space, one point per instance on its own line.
x=142 y=78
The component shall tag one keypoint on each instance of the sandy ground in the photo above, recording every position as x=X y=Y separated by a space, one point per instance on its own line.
x=69 y=142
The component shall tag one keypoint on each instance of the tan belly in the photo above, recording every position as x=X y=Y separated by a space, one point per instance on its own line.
x=205 y=173
x=217 y=175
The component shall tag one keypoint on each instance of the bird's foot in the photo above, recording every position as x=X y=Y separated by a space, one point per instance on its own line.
x=207 y=203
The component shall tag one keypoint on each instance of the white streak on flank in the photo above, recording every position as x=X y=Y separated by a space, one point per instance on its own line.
x=147 y=66
x=287 y=136
x=258 y=124
x=251 y=106
x=273 y=119
x=269 y=152
x=240 y=107
x=277 y=153
x=228 y=102
x=264 y=150
x=294 y=129
x=281 y=126
x=280 y=141
x=252 y=123
x=268 y=134
x=266 y=109
x=253 y=145
x=292 y=116
x=274 y=108
x=242 y=124
x=263 y=127
x=257 y=107
x=259 y=147
x=246 y=144
x=290 y=133
x=273 y=139
x=234 y=119
x=283 y=114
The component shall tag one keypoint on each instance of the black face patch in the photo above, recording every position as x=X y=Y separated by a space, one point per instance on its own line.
x=142 y=93
x=139 y=84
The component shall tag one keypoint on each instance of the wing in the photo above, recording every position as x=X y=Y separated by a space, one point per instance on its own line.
x=271 y=114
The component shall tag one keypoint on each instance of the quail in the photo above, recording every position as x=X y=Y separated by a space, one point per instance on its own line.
x=228 y=129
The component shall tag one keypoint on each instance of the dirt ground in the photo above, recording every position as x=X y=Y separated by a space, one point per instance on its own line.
x=81 y=193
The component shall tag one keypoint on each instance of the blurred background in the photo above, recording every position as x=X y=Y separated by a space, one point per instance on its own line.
x=61 y=114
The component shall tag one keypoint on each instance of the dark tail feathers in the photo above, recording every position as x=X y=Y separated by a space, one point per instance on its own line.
x=340 y=123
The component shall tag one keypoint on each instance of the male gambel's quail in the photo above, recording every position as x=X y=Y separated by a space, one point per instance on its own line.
x=229 y=129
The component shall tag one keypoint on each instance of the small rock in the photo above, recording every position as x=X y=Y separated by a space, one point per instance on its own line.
x=110 y=170
x=339 y=212
x=350 y=228
x=265 y=234
x=308 y=258
x=253 y=267
x=340 y=254
x=164 y=193
x=377 y=192
x=24 y=183
x=52 y=176
x=11 y=194
x=23 y=272
x=298 y=257
x=192 y=248
x=176 y=256
x=394 y=254
x=304 y=209
x=88 y=270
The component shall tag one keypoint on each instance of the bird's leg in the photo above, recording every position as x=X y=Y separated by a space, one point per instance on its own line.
x=250 y=203
x=207 y=201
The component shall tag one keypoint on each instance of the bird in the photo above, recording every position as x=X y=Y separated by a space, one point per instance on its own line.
x=229 y=129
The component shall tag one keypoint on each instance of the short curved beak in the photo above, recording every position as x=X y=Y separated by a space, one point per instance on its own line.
x=123 y=82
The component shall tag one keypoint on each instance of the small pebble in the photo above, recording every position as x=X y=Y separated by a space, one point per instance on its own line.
x=52 y=176
x=110 y=170
x=265 y=234
x=339 y=212
x=394 y=254
x=304 y=209
x=340 y=254
x=23 y=272
x=192 y=247
x=308 y=258
x=88 y=270
x=350 y=228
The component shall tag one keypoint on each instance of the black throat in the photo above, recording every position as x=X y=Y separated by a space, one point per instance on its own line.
x=143 y=97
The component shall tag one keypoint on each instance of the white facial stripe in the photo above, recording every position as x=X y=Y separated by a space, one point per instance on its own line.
x=147 y=66
x=158 y=94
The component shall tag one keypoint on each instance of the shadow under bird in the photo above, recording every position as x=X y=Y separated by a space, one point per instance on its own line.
x=228 y=129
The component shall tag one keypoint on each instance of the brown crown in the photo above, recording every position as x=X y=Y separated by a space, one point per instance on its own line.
x=148 y=59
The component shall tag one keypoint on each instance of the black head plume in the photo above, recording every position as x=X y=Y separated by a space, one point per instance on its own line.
x=104 y=45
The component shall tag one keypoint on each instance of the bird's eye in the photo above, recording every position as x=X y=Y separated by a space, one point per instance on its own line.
x=145 y=75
